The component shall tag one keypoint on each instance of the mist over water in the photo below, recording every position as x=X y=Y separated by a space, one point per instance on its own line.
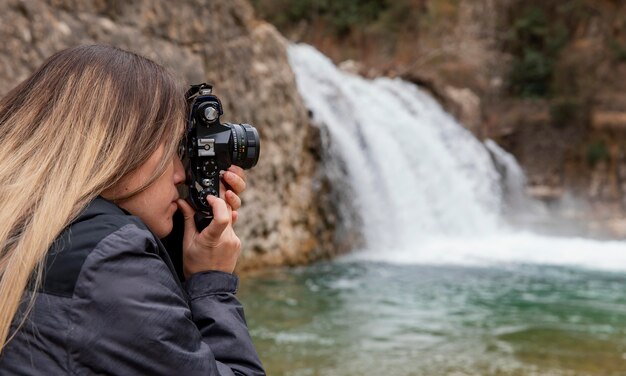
x=426 y=189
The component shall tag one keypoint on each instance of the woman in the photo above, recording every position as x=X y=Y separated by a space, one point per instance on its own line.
x=88 y=175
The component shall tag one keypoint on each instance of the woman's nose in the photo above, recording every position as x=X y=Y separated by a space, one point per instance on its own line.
x=179 y=171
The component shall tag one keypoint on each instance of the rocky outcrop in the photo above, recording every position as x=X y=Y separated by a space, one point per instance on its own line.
x=223 y=43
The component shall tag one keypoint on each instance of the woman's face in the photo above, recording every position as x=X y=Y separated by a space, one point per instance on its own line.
x=156 y=204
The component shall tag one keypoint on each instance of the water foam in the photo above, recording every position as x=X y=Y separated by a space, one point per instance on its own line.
x=505 y=248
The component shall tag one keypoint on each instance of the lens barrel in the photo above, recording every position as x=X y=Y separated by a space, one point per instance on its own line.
x=246 y=145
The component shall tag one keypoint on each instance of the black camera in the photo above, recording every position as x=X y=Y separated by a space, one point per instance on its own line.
x=210 y=147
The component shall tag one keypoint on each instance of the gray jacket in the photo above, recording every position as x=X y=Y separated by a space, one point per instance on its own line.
x=111 y=303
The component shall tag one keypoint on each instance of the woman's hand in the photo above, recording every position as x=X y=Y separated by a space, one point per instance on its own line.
x=217 y=247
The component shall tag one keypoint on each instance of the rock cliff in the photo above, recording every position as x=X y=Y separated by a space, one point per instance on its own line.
x=219 y=42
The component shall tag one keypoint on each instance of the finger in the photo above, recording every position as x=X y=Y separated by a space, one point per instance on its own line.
x=221 y=218
x=188 y=213
x=233 y=200
x=223 y=196
x=238 y=170
x=235 y=182
x=222 y=190
x=235 y=216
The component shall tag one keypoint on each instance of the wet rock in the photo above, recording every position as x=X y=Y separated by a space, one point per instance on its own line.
x=469 y=110
x=545 y=193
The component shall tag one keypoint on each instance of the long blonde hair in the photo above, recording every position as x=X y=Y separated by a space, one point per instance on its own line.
x=86 y=118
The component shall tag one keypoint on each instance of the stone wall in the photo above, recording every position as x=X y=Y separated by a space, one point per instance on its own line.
x=214 y=41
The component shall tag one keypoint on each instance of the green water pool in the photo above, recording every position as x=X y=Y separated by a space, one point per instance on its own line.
x=365 y=318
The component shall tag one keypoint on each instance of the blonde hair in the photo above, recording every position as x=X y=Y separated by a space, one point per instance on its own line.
x=87 y=117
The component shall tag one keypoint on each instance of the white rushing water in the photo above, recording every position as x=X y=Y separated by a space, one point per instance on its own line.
x=426 y=190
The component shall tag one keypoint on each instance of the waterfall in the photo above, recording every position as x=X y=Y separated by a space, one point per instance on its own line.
x=417 y=170
x=513 y=181
x=425 y=188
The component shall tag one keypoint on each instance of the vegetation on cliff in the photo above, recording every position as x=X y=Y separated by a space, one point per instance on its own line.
x=539 y=32
x=362 y=30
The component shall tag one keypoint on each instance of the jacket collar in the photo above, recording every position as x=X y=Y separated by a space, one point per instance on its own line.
x=98 y=206
x=101 y=205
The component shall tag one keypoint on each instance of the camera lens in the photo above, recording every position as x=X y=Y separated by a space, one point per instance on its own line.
x=246 y=145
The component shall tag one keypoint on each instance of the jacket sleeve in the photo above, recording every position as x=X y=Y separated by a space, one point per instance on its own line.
x=129 y=316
